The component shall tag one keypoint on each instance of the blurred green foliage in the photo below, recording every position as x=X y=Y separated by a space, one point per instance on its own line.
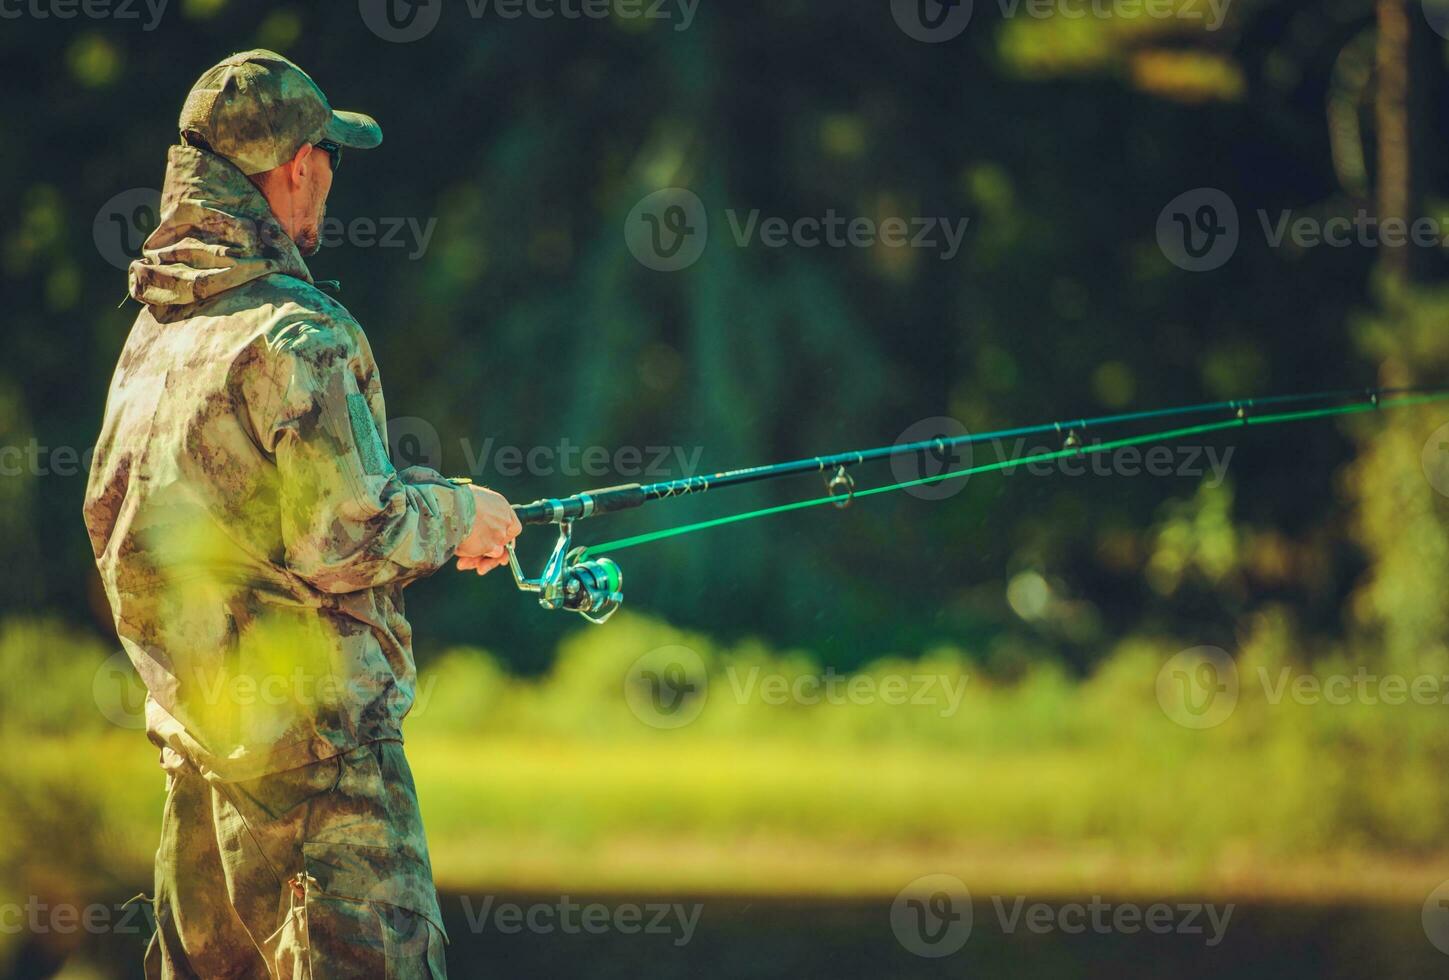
x=560 y=781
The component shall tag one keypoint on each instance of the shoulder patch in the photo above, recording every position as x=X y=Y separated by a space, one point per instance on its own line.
x=364 y=433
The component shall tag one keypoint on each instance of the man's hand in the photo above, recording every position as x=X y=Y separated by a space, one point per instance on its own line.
x=485 y=547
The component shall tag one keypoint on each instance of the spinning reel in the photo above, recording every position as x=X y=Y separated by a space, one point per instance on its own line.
x=593 y=589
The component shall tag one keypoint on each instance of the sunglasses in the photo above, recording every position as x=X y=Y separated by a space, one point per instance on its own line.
x=333 y=151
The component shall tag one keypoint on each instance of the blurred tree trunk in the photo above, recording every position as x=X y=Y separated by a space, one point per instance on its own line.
x=1399 y=514
x=1406 y=50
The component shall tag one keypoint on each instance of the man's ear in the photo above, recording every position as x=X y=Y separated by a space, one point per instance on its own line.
x=300 y=165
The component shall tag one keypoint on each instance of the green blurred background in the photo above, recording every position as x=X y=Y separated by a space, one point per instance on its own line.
x=523 y=144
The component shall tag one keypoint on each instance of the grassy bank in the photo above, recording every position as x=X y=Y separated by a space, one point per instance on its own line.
x=516 y=814
x=1037 y=782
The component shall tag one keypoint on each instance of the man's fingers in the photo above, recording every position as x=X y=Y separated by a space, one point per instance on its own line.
x=482 y=564
x=486 y=565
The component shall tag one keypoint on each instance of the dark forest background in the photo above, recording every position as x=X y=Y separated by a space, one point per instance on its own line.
x=527 y=321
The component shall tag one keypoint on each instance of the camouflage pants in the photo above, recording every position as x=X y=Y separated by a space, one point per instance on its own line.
x=318 y=872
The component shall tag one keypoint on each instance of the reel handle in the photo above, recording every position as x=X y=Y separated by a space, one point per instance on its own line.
x=552 y=510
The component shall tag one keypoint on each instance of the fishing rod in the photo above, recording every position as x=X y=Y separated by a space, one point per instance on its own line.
x=574 y=580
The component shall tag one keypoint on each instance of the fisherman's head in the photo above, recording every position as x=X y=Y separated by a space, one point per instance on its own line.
x=266 y=116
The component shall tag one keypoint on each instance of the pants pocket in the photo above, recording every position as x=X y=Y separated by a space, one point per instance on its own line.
x=360 y=912
x=414 y=946
x=324 y=936
x=280 y=795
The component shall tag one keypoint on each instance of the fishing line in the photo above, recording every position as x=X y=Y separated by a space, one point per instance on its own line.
x=1170 y=435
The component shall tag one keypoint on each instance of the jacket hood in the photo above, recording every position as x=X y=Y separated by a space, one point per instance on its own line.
x=216 y=233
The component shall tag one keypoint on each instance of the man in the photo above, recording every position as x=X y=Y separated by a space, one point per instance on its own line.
x=254 y=540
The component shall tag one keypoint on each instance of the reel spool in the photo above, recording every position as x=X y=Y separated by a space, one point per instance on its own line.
x=593 y=589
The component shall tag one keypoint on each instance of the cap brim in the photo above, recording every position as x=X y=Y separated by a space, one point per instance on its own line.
x=354 y=130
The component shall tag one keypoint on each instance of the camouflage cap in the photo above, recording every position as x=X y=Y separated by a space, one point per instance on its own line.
x=257 y=109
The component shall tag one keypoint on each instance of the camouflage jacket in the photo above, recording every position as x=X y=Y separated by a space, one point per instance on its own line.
x=252 y=534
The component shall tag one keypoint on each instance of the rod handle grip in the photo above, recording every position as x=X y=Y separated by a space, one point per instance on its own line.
x=603 y=501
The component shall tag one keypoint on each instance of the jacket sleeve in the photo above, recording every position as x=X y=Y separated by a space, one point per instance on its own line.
x=350 y=520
